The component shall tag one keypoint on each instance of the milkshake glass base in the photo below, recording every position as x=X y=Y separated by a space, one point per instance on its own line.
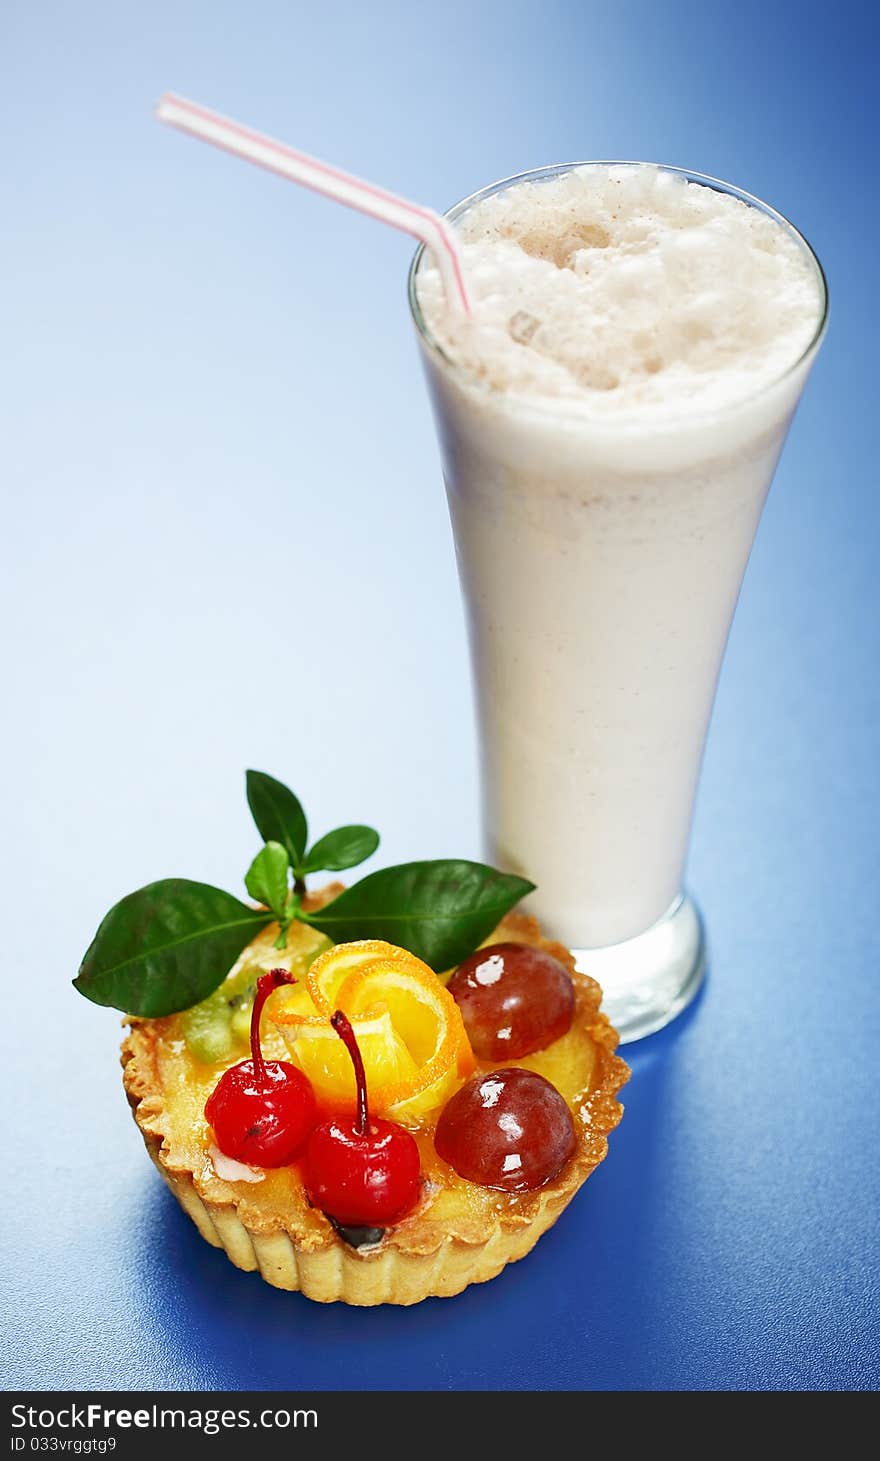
x=648 y=980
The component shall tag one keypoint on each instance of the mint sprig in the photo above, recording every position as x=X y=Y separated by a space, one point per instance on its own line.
x=169 y=945
x=278 y=815
x=345 y=847
x=280 y=818
x=267 y=880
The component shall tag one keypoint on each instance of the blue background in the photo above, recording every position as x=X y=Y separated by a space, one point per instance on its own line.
x=229 y=547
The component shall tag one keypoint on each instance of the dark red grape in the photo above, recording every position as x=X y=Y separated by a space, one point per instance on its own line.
x=513 y=999
x=508 y=1129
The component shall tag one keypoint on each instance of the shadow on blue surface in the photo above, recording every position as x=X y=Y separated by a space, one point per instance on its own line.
x=228 y=1329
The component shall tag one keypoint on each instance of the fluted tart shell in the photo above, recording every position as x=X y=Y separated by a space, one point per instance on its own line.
x=460 y=1233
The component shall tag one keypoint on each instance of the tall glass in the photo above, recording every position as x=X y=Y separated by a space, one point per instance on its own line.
x=600 y=565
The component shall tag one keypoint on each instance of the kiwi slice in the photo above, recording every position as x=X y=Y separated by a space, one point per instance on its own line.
x=219 y=1028
x=240 y=1022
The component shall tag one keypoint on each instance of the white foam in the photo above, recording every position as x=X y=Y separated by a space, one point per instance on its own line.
x=626 y=289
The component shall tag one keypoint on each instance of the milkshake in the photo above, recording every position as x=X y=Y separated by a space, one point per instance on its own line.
x=610 y=415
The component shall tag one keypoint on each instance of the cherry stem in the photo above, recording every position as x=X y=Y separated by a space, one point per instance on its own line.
x=266 y=984
x=342 y=1026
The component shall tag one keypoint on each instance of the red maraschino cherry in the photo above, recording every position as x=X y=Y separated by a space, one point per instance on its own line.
x=262 y=1110
x=361 y=1172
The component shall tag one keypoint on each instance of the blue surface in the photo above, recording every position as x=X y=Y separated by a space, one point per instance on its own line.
x=229 y=547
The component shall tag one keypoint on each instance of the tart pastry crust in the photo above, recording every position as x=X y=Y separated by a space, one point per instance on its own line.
x=458 y=1235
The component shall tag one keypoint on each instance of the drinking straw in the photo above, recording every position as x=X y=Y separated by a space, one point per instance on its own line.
x=423 y=223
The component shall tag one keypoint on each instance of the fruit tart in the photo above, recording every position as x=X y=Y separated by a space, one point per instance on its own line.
x=336 y=1114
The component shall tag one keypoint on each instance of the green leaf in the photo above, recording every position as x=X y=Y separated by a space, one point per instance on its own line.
x=438 y=910
x=166 y=947
x=266 y=878
x=345 y=847
x=278 y=814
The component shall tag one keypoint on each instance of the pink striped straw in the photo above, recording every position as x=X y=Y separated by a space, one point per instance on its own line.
x=423 y=223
